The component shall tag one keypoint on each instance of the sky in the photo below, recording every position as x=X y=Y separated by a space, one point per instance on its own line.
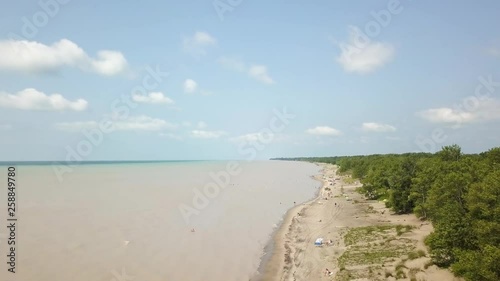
x=239 y=79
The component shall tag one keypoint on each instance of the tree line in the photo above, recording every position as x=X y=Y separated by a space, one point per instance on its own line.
x=459 y=193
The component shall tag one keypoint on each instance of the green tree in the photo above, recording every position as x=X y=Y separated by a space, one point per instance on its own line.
x=479 y=265
x=459 y=193
x=450 y=153
x=427 y=171
x=400 y=198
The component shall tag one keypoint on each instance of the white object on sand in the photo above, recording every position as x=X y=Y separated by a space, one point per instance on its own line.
x=319 y=242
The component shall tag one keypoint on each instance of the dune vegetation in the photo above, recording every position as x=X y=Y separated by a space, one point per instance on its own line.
x=459 y=193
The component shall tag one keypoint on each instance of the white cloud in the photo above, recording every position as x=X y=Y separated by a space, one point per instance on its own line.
x=201 y=134
x=232 y=64
x=197 y=44
x=31 y=56
x=133 y=123
x=153 y=98
x=142 y=123
x=252 y=137
x=109 y=63
x=203 y=38
x=473 y=111
x=324 y=131
x=190 y=86
x=32 y=99
x=363 y=56
x=446 y=115
x=377 y=127
x=75 y=126
x=259 y=72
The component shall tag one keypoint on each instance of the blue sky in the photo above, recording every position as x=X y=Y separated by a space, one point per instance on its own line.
x=355 y=77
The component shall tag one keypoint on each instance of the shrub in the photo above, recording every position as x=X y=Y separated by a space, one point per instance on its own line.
x=400 y=266
x=400 y=274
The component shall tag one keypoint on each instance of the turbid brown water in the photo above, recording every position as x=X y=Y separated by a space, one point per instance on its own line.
x=123 y=222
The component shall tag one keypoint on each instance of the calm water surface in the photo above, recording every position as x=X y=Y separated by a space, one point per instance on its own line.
x=123 y=222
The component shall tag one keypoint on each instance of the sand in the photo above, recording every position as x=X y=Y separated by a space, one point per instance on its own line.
x=337 y=210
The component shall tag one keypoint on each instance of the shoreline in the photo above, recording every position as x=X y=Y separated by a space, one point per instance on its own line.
x=273 y=254
x=337 y=210
x=272 y=265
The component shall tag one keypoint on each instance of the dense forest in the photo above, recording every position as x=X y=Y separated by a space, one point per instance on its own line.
x=459 y=193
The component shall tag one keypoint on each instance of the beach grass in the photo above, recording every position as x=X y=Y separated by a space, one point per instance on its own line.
x=371 y=248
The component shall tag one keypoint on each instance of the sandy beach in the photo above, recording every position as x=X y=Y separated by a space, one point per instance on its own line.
x=368 y=242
